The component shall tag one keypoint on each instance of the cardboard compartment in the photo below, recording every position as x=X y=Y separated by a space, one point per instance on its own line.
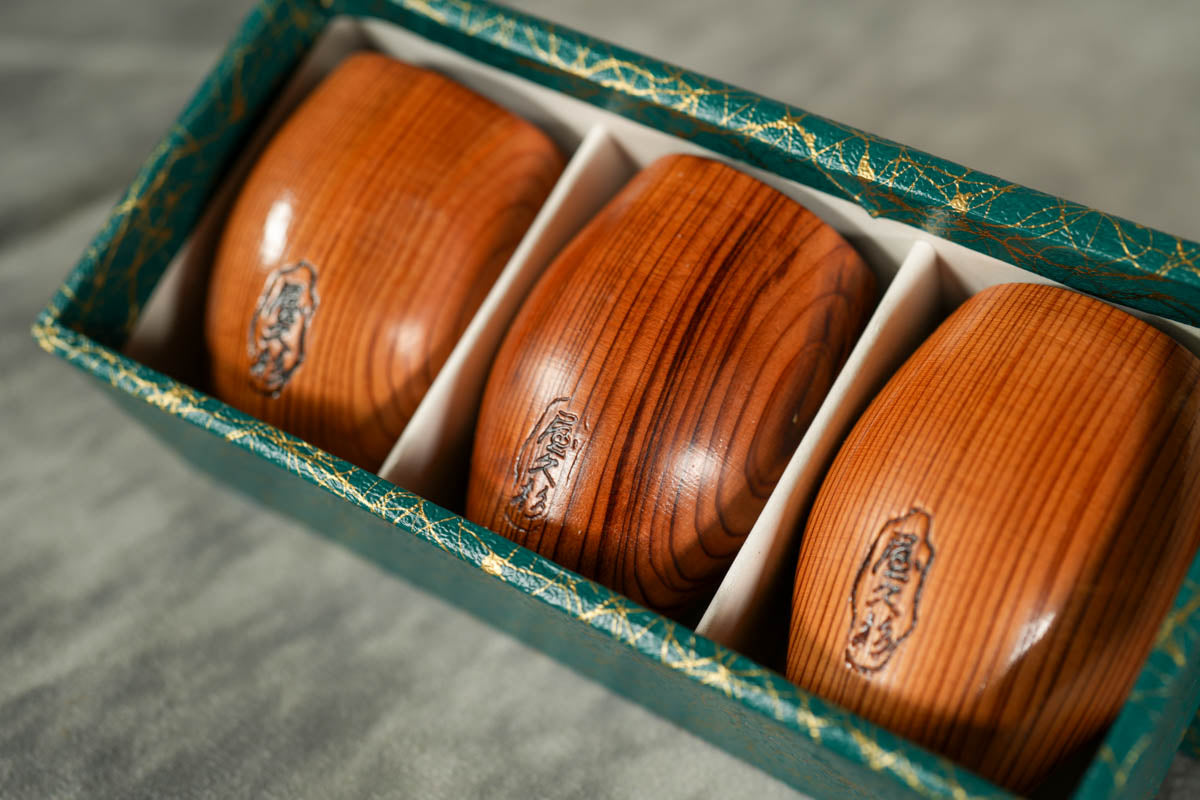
x=528 y=67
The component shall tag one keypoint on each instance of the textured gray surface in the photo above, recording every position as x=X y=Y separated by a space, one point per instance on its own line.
x=160 y=636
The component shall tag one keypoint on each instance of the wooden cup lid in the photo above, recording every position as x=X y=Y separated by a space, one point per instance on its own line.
x=360 y=246
x=991 y=554
x=659 y=377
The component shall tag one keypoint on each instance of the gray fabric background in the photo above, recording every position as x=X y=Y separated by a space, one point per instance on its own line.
x=160 y=636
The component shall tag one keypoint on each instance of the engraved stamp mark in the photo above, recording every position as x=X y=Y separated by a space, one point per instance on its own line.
x=279 y=327
x=887 y=590
x=544 y=464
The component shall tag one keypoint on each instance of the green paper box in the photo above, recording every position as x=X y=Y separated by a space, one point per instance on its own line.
x=934 y=232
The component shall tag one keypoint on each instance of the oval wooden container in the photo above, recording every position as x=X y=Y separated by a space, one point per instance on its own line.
x=990 y=557
x=363 y=241
x=659 y=376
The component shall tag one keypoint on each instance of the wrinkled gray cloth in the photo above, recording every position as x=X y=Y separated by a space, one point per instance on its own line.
x=160 y=636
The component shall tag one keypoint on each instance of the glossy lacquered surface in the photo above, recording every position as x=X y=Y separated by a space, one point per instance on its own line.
x=361 y=244
x=990 y=557
x=653 y=386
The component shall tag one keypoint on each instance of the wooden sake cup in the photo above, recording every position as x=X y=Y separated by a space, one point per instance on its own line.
x=991 y=555
x=360 y=246
x=659 y=376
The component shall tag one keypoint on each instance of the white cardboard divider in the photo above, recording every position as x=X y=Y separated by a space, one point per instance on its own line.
x=908 y=311
x=433 y=453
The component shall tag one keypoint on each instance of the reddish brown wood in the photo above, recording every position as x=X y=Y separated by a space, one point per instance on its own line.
x=360 y=246
x=661 y=373
x=990 y=557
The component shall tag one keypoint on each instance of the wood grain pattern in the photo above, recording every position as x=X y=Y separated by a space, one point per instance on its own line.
x=362 y=243
x=990 y=557
x=654 y=384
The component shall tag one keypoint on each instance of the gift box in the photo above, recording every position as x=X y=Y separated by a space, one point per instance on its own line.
x=933 y=232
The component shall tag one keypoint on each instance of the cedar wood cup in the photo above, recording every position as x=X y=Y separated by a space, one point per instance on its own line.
x=660 y=375
x=361 y=244
x=990 y=557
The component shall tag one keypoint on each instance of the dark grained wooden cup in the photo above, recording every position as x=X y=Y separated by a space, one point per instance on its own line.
x=360 y=246
x=990 y=557
x=660 y=375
